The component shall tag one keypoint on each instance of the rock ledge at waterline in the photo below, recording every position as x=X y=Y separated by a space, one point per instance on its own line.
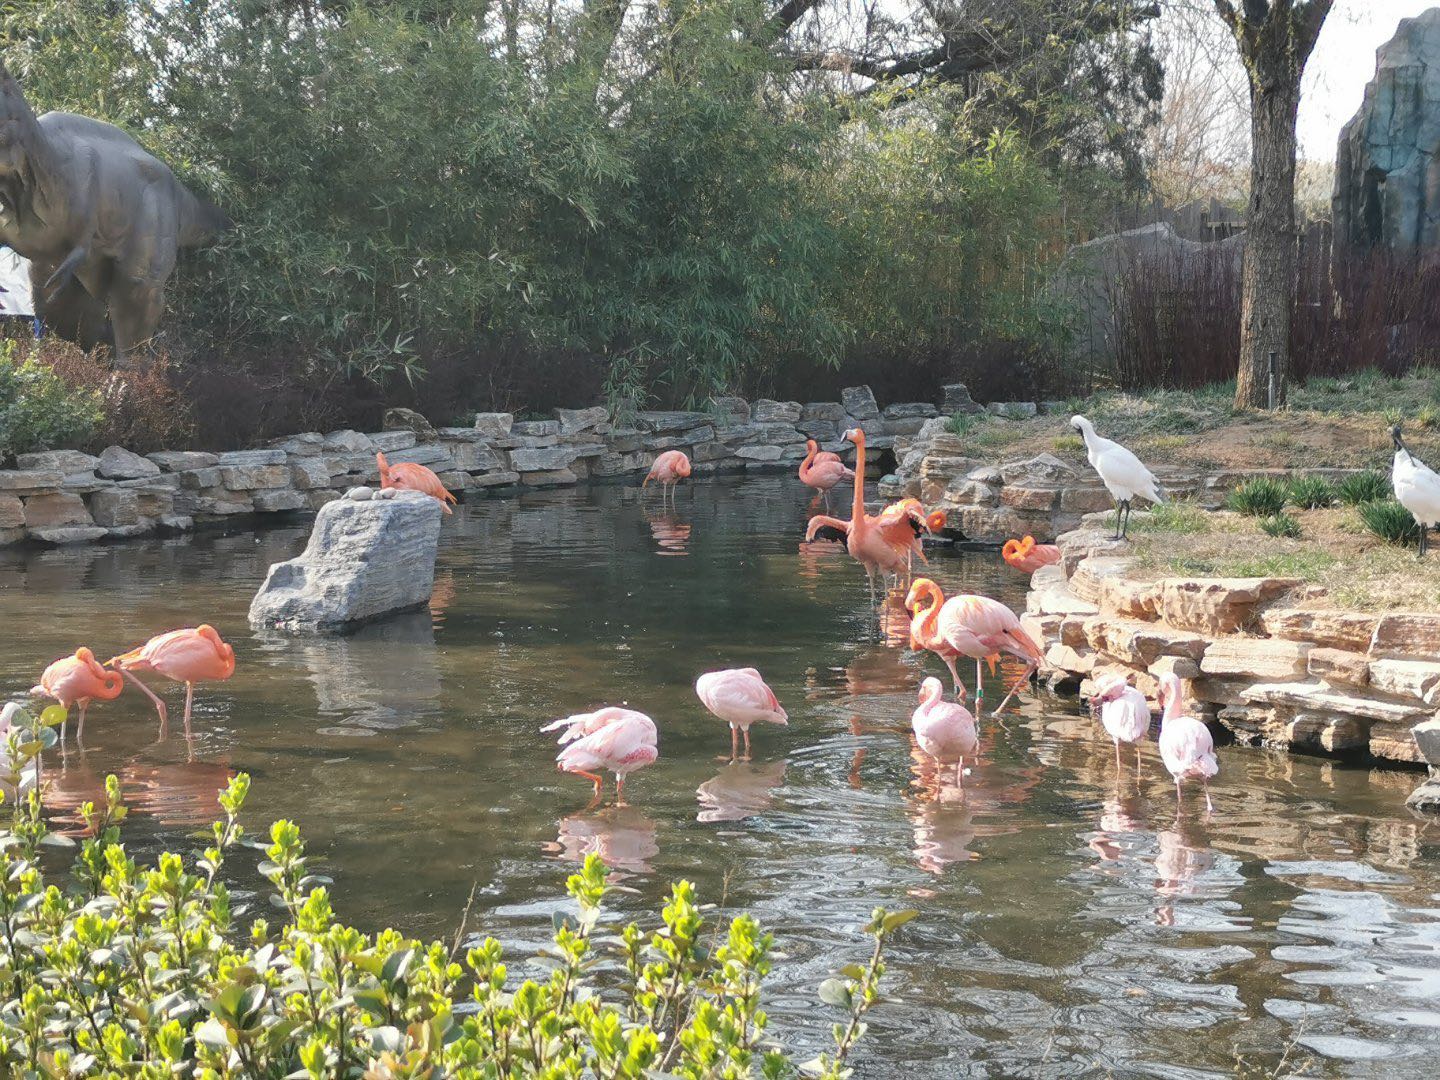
x=367 y=557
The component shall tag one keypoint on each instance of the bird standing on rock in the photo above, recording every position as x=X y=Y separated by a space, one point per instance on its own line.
x=1123 y=473
x=1417 y=488
x=408 y=476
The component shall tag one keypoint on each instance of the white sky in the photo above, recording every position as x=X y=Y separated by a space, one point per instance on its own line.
x=1343 y=62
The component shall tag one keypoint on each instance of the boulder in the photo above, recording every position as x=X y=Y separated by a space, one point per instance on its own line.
x=1425 y=798
x=306 y=444
x=766 y=411
x=910 y=410
x=29 y=481
x=62 y=461
x=859 y=402
x=71 y=534
x=86 y=482
x=12 y=512
x=1041 y=469
x=115 y=507
x=1427 y=741
x=670 y=420
x=255 y=477
x=117 y=463
x=251 y=458
x=823 y=410
x=574 y=421
x=176 y=461
x=347 y=442
x=1407 y=636
x=1012 y=410
x=549 y=477
x=1029 y=498
x=402 y=419
x=541 y=459
x=1339 y=667
x=365 y=559
x=278 y=500
x=307 y=473
x=55 y=511
x=1418 y=679
x=494 y=425
x=1385 y=172
x=392 y=442
x=1217 y=605
x=730 y=409
x=957 y=400
x=1256 y=659
x=764 y=452
x=1347 y=630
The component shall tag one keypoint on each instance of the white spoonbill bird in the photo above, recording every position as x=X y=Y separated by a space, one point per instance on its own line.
x=1417 y=488
x=1124 y=714
x=1185 y=743
x=740 y=697
x=1125 y=476
x=620 y=740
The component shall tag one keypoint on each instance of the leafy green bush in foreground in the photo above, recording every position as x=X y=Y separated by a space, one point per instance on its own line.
x=131 y=971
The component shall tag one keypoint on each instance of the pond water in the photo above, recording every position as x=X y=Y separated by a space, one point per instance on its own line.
x=1069 y=926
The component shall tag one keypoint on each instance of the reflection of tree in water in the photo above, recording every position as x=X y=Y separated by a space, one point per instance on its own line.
x=740 y=790
x=622 y=836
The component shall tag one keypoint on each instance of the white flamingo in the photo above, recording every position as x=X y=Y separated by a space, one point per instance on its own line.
x=1124 y=474
x=1124 y=714
x=1417 y=488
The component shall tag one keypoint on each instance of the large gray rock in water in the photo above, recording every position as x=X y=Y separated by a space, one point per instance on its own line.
x=1387 y=169
x=365 y=559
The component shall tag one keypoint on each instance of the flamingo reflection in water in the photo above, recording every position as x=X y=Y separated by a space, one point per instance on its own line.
x=671 y=535
x=1181 y=859
x=1121 y=820
x=622 y=836
x=174 y=794
x=740 y=790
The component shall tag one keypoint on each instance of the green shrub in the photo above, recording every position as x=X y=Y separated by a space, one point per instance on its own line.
x=1311 y=492
x=1388 y=520
x=1363 y=487
x=146 y=971
x=38 y=409
x=965 y=423
x=1259 y=496
x=1280 y=525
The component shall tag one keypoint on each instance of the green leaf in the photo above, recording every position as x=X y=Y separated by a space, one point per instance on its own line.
x=897 y=919
x=835 y=992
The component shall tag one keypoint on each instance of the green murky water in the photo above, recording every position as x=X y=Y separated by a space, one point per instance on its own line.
x=1068 y=926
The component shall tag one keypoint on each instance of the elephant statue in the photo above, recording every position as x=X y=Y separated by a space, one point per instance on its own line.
x=101 y=221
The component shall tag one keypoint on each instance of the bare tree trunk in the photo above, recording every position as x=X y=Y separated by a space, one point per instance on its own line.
x=1268 y=280
x=1275 y=38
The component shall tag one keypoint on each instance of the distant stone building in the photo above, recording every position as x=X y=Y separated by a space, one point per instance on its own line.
x=1387 y=170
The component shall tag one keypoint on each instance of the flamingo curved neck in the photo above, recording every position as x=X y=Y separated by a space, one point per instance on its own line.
x=811 y=450
x=857 y=510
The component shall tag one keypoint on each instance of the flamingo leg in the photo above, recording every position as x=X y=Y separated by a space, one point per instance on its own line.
x=734 y=742
x=960 y=774
x=1177 y=798
x=619 y=789
x=1209 y=806
x=1137 y=761
x=979 y=685
x=189 y=700
x=80 y=724
x=954 y=675
x=1117 y=757
x=747 y=744
x=1015 y=689
x=154 y=697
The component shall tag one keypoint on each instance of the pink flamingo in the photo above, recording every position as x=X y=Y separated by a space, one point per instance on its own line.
x=1186 y=747
x=863 y=539
x=822 y=470
x=1124 y=714
x=1028 y=556
x=620 y=740
x=924 y=632
x=669 y=469
x=903 y=524
x=944 y=729
x=740 y=697
x=408 y=476
x=78 y=680
x=191 y=655
x=979 y=627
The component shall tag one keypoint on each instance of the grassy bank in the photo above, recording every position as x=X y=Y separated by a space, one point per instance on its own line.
x=1337 y=423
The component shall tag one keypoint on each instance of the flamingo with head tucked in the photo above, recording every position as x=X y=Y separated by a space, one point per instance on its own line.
x=740 y=697
x=903 y=523
x=863 y=538
x=78 y=680
x=1123 y=712
x=408 y=476
x=944 y=729
x=1027 y=556
x=822 y=470
x=669 y=469
x=195 y=654
x=979 y=627
x=621 y=741
x=1186 y=746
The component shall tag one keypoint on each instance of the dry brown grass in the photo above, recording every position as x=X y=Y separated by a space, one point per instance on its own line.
x=1357 y=570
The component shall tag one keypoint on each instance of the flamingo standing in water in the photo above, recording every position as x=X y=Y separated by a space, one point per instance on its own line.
x=1186 y=746
x=619 y=740
x=195 y=654
x=822 y=470
x=979 y=627
x=669 y=469
x=408 y=476
x=903 y=524
x=944 y=729
x=740 y=697
x=924 y=631
x=863 y=539
x=78 y=680
x=1124 y=714
x=1028 y=556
